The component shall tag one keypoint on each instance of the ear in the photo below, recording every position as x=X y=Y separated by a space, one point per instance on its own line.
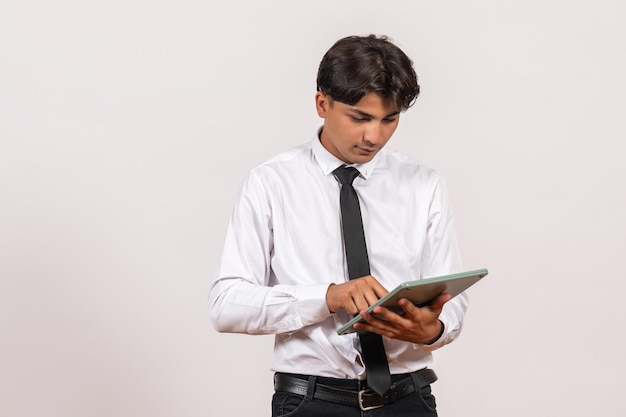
x=322 y=103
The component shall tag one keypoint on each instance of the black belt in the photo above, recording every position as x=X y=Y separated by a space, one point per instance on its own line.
x=365 y=399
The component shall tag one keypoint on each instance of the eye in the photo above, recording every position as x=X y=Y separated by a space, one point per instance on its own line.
x=391 y=120
x=358 y=119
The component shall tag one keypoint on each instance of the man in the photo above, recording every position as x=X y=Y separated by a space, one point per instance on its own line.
x=284 y=269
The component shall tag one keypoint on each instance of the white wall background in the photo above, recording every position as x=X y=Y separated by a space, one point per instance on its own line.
x=127 y=126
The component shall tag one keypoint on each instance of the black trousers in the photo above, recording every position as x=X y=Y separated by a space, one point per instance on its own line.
x=421 y=403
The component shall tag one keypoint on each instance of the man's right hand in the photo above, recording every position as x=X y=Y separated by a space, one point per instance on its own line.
x=355 y=295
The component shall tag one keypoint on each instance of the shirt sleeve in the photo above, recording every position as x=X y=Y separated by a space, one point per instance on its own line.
x=441 y=256
x=242 y=298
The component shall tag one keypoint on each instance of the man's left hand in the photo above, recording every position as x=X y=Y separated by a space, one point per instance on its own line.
x=416 y=325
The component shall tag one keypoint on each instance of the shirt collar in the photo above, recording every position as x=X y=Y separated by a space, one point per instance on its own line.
x=329 y=162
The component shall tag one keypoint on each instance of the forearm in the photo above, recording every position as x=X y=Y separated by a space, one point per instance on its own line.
x=452 y=317
x=239 y=306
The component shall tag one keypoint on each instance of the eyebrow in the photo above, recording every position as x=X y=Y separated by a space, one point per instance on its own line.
x=364 y=114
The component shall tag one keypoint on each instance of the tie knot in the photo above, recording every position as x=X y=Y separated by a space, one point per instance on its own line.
x=345 y=175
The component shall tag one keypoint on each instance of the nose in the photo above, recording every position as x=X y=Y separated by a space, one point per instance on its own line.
x=373 y=133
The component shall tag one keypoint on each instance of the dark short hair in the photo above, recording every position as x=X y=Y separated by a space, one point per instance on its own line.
x=357 y=65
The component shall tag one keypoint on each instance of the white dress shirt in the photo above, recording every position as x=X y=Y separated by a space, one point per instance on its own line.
x=284 y=247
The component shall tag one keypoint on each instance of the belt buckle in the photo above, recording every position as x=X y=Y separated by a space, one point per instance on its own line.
x=371 y=407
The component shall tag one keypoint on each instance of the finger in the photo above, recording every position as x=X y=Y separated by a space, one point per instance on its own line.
x=379 y=290
x=370 y=296
x=363 y=297
x=437 y=305
x=410 y=310
x=360 y=303
x=367 y=291
x=369 y=318
x=365 y=327
x=356 y=304
x=376 y=287
x=387 y=320
x=374 y=325
x=351 y=308
x=386 y=314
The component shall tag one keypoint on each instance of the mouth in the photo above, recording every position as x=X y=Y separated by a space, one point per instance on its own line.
x=366 y=150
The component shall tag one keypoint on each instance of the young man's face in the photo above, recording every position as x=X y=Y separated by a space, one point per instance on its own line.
x=356 y=133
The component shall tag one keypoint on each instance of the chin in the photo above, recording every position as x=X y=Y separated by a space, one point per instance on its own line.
x=362 y=159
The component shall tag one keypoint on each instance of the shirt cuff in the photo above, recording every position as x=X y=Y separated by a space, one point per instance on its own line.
x=312 y=303
x=441 y=341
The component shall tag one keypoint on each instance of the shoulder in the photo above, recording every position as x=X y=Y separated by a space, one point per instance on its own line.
x=288 y=157
x=283 y=166
x=409 y=177
x=406 y=167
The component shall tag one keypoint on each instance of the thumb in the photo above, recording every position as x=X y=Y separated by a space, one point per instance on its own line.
x=437 y=305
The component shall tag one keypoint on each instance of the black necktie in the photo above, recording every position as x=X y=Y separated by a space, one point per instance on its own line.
x=373 y=350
